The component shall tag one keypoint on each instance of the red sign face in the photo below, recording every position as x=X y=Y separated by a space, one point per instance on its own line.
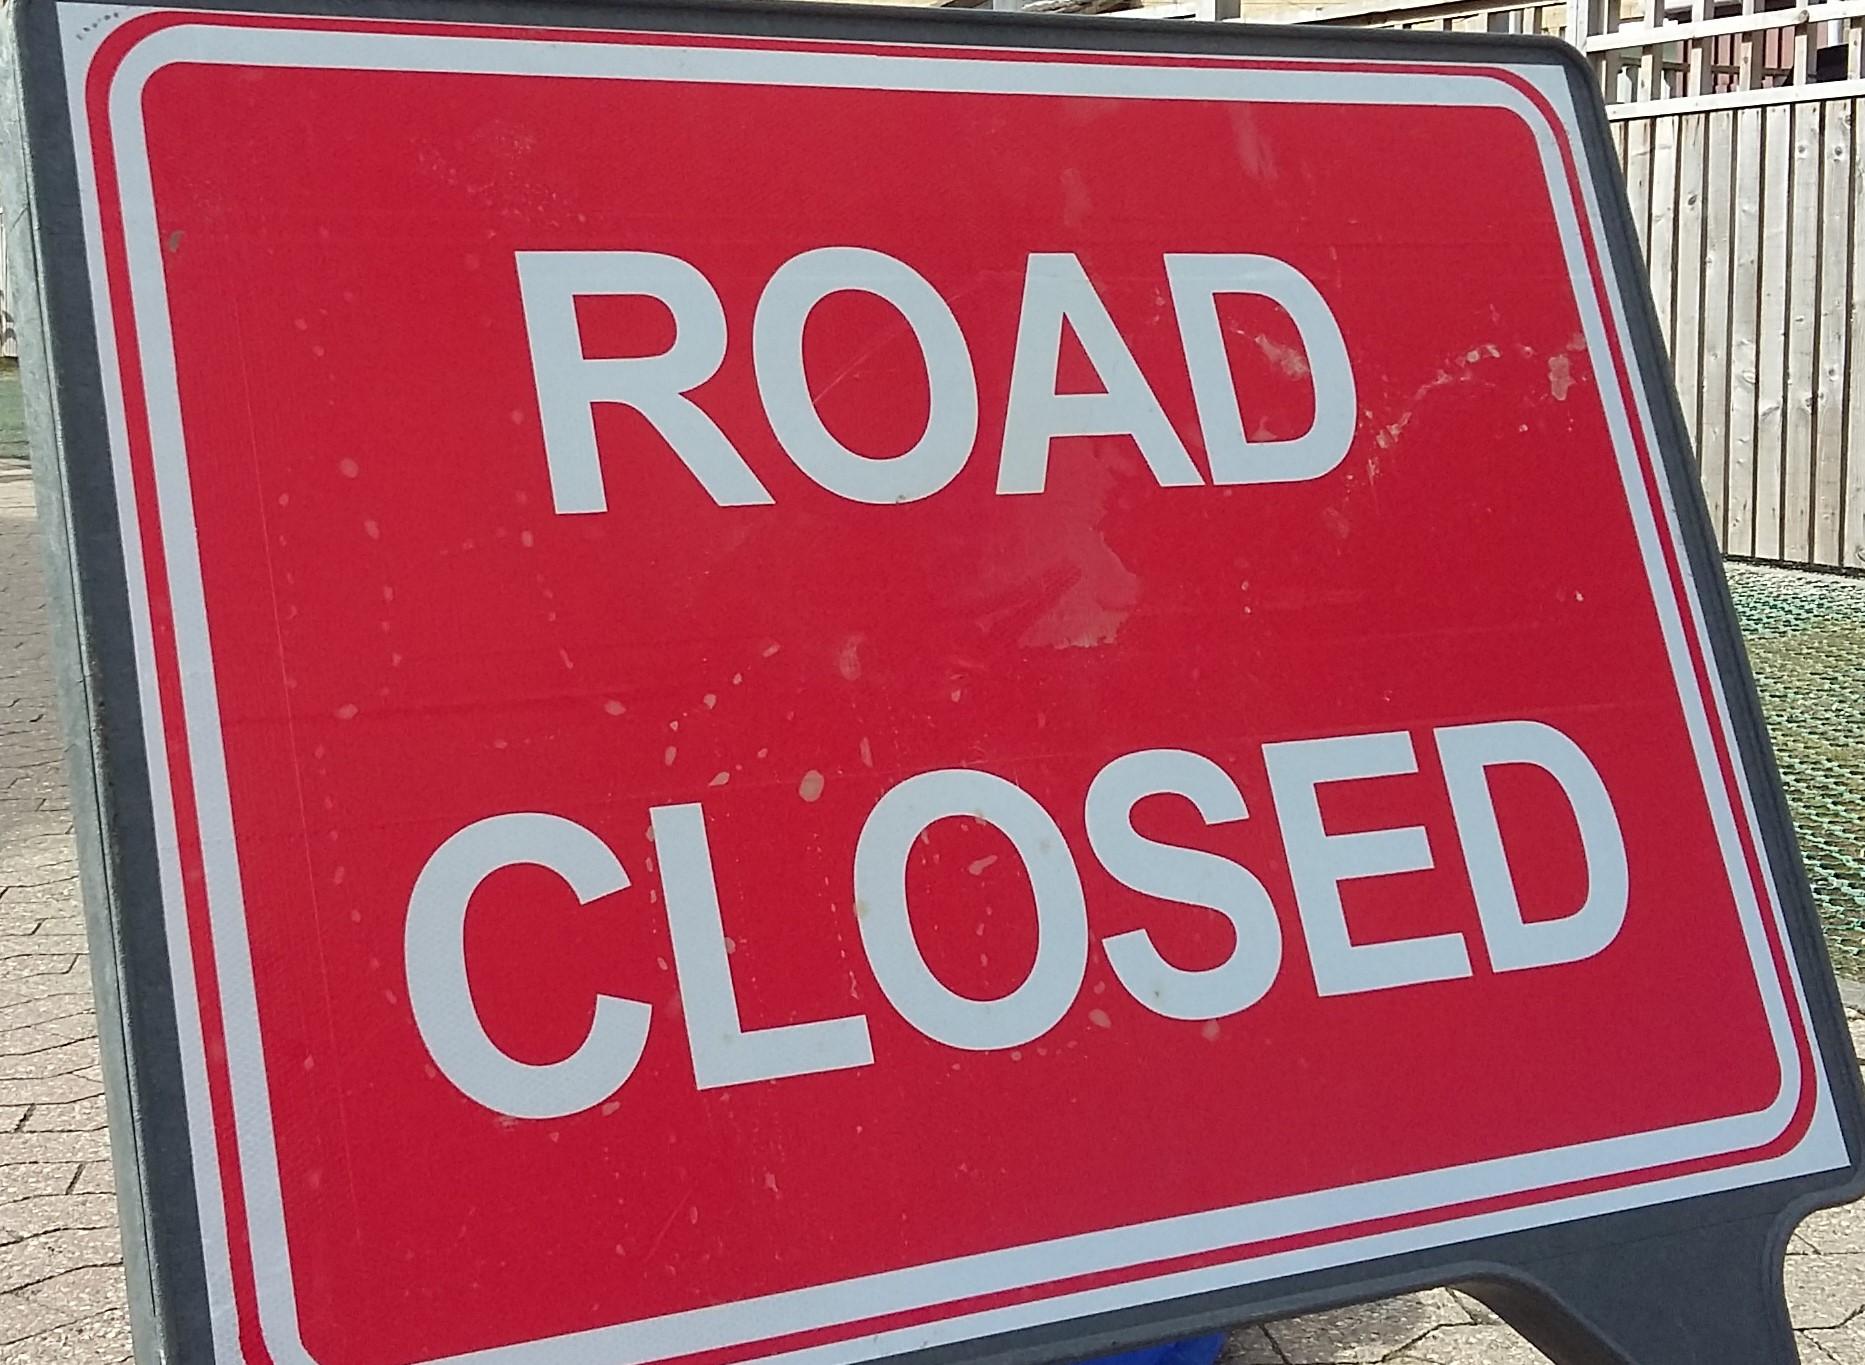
x=812 y=700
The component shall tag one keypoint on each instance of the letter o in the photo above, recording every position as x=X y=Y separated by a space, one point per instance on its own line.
x=881 y=853
x=952 y=388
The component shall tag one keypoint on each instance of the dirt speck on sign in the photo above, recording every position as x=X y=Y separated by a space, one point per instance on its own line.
x=1560 y=377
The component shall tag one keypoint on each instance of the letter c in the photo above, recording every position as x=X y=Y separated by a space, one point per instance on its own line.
x=442 y=999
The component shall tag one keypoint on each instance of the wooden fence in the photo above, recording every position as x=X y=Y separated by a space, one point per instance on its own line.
x=1749 y=221
x=1742 y=136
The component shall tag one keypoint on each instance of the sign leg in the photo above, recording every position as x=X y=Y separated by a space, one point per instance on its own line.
x=1703 y=1294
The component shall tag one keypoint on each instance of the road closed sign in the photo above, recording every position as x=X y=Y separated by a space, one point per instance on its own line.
x=811 y=685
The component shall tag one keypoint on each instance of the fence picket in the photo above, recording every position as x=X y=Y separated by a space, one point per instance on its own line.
x=1638 y=178
x=1801 y=379
x=1718 y=282
x=1686 y=330
x=1835 y=225
x=1852 y=505
x=1661 y=240
x=1772 y=330
x=1745 y=322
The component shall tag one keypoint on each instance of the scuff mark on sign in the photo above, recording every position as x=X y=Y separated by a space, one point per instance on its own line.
x=1458 y=369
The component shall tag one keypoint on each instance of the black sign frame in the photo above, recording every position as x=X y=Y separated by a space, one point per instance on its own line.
x=1671 y=1284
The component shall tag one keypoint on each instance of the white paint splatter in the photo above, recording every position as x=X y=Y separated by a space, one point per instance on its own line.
x=1560 y=377
x=1288 y=359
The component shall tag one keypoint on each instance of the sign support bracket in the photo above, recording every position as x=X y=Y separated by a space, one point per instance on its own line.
x=1693 y=1294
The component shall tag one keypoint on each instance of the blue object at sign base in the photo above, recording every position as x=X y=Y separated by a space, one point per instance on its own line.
x=1196 y=1351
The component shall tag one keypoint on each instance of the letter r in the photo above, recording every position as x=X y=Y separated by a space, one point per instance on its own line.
x=570 y=384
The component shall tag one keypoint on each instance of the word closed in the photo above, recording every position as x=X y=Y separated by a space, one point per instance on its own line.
x=724 y=1053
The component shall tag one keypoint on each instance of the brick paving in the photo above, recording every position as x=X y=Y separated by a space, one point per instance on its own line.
x=61 y=1281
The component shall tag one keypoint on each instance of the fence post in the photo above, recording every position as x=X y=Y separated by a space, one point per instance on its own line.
x=1581 y=21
